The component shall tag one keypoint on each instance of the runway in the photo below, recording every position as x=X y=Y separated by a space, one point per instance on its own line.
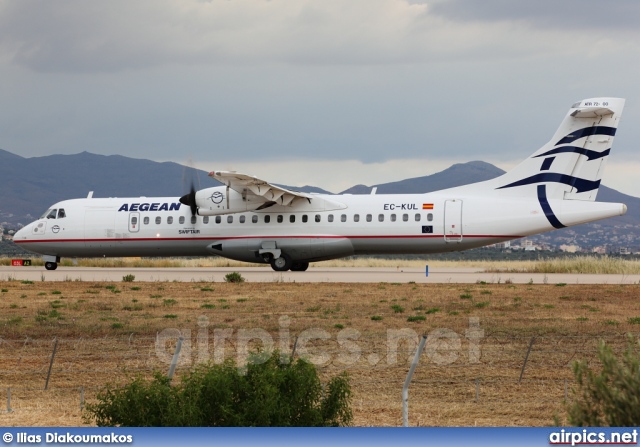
x=313 y=275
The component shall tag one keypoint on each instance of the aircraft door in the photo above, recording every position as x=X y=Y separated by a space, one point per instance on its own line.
x=134 y=222
x=453 y=220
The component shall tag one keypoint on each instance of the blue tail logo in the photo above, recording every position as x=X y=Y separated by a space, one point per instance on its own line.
x=580 y=184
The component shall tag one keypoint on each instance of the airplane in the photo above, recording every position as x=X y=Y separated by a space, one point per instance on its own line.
x=248 y=219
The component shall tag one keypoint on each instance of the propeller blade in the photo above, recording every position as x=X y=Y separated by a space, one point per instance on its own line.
x=190 y=200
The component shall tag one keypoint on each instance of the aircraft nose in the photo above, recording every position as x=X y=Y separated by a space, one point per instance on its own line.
x=22 y=233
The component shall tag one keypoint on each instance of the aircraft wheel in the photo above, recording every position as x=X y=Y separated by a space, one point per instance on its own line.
x=51 y=265
x=281 y=264
x=299 y=266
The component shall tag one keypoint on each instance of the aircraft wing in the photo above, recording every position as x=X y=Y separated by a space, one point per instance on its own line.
x=247 y=184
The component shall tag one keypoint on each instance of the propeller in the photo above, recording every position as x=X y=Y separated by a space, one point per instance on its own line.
x=190 y=198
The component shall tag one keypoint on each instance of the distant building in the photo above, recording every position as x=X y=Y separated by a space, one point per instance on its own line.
x=569 y=248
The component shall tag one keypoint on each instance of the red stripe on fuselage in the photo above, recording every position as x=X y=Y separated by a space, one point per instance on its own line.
x=156 y=239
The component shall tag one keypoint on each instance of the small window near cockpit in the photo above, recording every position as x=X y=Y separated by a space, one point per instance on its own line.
x=61 y=213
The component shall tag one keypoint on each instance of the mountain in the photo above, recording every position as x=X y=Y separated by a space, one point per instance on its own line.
x=31 y=185
x=457 y=175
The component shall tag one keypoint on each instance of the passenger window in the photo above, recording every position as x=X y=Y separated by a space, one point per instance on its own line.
x=229 y=219
x=279 y=218
x=146 y=220
x=380 y=217
x=405 y=218
x=343 y=218
x=61 y=213
x=158 y=220
x=267 y=218
x=305 y=218
x=254 y=218
x=429 y=217
x=205 y=220
x=194 y=219
x=218 y=219
x=417 y=217
x=318 y=217
x=170 y=220
x=292 y=218
x=52 y=214
x=134 y=221
x=181 y=220
x=369 y=218
x=356 y=217
x=330 y=217
x=242 y=219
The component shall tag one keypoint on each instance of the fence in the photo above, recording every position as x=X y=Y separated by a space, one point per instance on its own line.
x=511 y=380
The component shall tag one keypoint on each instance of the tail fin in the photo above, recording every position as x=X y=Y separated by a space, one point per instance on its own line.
x=570 y=166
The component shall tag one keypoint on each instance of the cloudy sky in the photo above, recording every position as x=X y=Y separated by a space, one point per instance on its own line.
x=323 y=92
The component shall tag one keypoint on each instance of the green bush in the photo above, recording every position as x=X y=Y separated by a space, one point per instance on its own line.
x=128 y=278
x=272 y=390
x=233 y=277
x=610 y=397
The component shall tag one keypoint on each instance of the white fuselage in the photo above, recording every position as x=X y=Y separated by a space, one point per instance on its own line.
x=364 y=224
x=251 y=220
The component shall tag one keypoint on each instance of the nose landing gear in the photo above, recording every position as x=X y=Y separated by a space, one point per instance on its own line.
x=51 y=265
x=51 y=262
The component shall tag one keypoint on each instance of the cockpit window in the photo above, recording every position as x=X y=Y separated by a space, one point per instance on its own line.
x=52 y=214
x=61 y=213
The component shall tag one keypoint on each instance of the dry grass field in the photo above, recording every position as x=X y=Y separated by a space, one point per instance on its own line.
x=469 y=375
x=578 y=264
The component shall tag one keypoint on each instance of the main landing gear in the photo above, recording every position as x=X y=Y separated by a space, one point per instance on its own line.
x=284 y=263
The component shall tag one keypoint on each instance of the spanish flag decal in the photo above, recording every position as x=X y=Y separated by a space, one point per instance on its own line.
x=427 y=206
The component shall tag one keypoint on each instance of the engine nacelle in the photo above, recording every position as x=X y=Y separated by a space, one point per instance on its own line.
x=224 y=200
